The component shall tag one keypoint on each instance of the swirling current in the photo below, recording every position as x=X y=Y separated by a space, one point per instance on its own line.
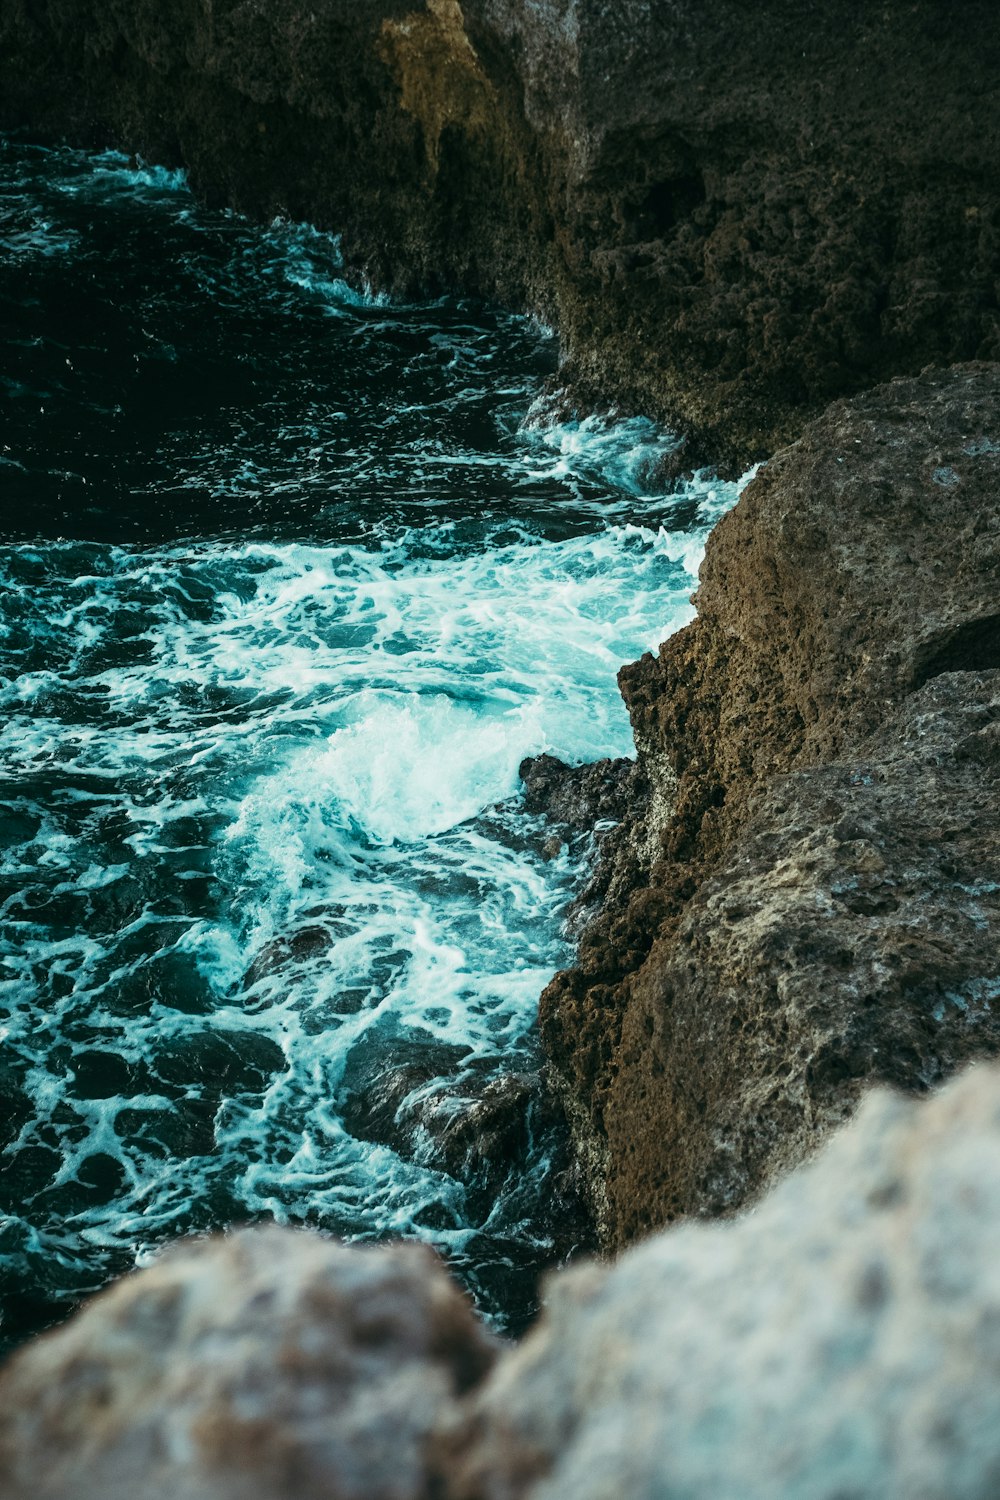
x=291 y=579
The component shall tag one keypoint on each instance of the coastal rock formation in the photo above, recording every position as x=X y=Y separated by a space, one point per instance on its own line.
x=821 y=908
x=578 y=797
x=843 y=1340
x=483 y=1132
x=268 y=1364
x=732 y=214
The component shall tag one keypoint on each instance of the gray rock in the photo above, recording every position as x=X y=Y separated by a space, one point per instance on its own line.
x=840 y=1343
x=270 y=1363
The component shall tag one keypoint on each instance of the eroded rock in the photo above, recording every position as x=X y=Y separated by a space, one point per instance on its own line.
x=848 y=936
x=270 y=1363
x=810 y=728
x=841 y=1341
x=733 y=214
x=579 y=797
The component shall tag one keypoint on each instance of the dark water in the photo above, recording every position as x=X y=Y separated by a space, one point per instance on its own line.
x=288 y=587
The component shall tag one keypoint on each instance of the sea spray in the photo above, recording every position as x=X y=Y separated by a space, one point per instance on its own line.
x=289 y=589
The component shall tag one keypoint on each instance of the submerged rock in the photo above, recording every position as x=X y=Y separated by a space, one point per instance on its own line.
x=504 y=1139
x=841 y=1341
x=579 y=797
x=819 y=909
x=271 y=1363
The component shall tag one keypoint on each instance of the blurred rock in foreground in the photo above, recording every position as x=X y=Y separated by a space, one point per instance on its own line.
x=841 y=1342
x=270 y=1363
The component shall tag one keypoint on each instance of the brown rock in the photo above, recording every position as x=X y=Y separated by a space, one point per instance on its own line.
x=733 y=214
x=711 y=1033
x=578 y=797
x=848 y=936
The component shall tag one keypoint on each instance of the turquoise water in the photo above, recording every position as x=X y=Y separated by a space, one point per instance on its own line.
x=291 y=579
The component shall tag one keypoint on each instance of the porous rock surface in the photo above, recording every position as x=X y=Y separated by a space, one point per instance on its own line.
x=732 y=213
x=841 y=1342
x=267 y=1365
x=812 y=905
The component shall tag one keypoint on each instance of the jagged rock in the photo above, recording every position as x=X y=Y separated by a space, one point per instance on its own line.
x=477 y=1130
x=849 y=935
x=579 y=797
x=839 y=1343
x=732 y=213
x=504 y=1138
x=710 y=1033
x=269 y=1364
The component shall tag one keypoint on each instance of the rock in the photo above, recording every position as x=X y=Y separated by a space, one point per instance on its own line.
x=848 y=936
x=504 y=1139
x=387 y=1089
x=607 y=802
x=578 y=797
x=732 y=214
x=493 y=1132
x=841 y=1341
x=478 y=1129
x=825 y=837
x=269 y=1363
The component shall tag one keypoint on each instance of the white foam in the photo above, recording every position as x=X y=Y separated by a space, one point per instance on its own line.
x=257 y=782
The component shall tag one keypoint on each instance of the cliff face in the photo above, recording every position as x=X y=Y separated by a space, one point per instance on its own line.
x=811 y=903
x=733 y=214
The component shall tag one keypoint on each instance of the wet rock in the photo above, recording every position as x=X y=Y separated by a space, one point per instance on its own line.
x=477 y=1129
x=387 y=1088
x=741 y=985
x=270 y=1363
x=493 y=1131
x=842 y=1340
x=504 y=1138
x=732 y=214
x=579 y=796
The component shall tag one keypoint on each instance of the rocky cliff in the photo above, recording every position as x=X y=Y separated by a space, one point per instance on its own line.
x=810 y=902
x=733 y=214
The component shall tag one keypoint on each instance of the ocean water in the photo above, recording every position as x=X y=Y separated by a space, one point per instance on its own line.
x=291 y=579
